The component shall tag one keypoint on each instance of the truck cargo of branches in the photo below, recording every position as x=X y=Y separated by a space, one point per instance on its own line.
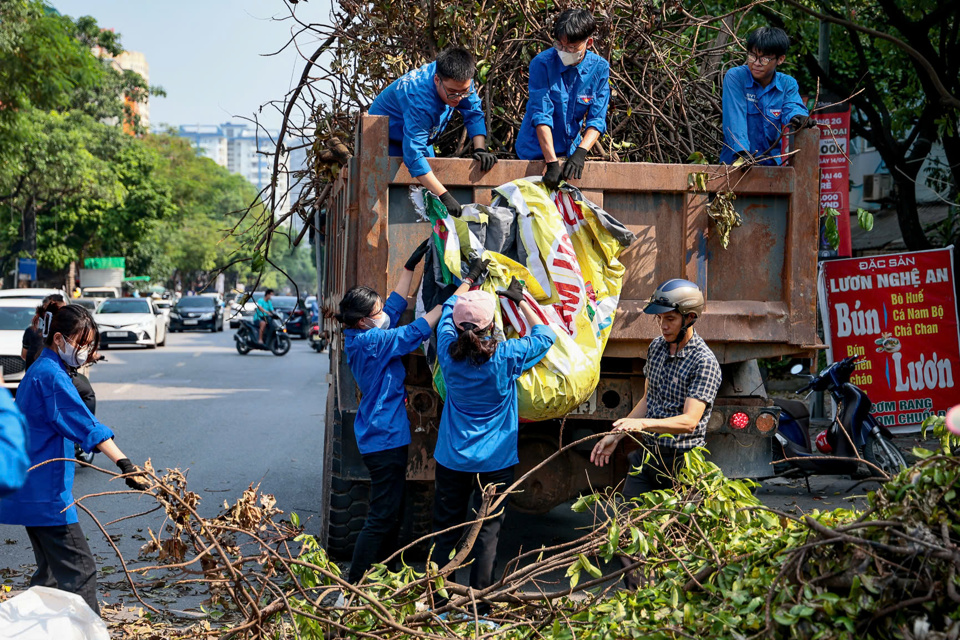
x=760 y=292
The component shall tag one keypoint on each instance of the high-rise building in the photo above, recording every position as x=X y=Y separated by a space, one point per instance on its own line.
x=241 y=149
x=136 y=62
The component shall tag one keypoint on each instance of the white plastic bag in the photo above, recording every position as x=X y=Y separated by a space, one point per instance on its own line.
x=43 y=613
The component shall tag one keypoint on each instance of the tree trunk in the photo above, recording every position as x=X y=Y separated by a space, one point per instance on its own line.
x=29 y=222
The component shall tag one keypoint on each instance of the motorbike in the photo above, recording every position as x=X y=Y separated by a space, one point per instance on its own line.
x=318 y=339
x=275 y=338
x=854 y=433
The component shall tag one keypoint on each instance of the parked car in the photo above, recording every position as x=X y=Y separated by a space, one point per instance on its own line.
x=238 y=314
x=196 y=312
x=15 y=316
x=35 y=294
x=90 y=304
x=130 y=321
x=165 y=307
x=295 y=314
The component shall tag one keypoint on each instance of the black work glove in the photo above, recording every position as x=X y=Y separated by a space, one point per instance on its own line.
x=485 y=158
x=802 y=122
x=573 y=167
x=477 y=268
x=126 y=467
x=552 y=177
x=417 y=255
x=513 y=292
x=453 y=207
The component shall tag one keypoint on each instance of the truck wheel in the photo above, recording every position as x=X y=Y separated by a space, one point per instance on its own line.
x=884 y=454
x=349 y=500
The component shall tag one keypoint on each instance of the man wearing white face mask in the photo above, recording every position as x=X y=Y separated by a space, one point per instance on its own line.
x=56 y=419
x=569 y=95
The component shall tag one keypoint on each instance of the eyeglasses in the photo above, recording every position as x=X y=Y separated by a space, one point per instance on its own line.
x=764 y=60
x=454 y=95
x=572 y=48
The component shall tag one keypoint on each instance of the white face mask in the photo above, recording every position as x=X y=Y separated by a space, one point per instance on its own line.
x=569 y=59
x=71 y=356
x=382 y=321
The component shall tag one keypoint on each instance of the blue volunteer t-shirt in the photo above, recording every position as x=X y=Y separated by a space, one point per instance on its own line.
x=478 y=428
x=374 y=358
x=56 y=419
x=567 y=99
x=754 y=116
x=418 y=116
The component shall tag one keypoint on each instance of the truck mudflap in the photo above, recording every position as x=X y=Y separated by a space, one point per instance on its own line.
x=738 y=427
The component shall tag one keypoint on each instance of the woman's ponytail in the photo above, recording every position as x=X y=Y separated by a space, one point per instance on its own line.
x=43 y=318
x=474 y=344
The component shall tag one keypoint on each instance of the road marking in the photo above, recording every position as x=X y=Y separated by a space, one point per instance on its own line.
x=196 y=355
x=180 y=364
x=157 y=375
x=122 y=388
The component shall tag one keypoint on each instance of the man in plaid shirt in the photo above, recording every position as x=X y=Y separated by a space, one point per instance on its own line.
x=682 y=378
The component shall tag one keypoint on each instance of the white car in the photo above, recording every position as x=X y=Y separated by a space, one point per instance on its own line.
x=34 y=294
x=165 y=306
x=16 y=314
x=130 y=321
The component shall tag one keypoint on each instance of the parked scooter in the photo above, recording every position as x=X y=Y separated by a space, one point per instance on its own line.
x=854 y=433
x=318 y=339
x=275 y=338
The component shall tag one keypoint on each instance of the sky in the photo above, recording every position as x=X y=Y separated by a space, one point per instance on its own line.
x=207 y=54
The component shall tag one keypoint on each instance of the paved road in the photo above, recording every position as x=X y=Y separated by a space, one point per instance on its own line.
x=197 y=404
x=232 y=420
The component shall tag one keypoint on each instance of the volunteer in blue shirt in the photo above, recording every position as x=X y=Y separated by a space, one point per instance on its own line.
x=477 y=440
x=759 y=101
x=57 y=418
x=420 y=105
x=374 y=345
x=13 y=446
x=569 y=94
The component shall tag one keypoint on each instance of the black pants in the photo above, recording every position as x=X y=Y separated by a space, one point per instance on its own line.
x=452 y=506
x=64 y=561
x=656 y=473
x=378 y=538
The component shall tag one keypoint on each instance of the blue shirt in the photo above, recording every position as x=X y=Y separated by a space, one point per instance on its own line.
x=56 y=419
x=374 y=358
x=754 y=116
x=562 y=98
x=418 y=116
x=13 y=446
x=478 y=428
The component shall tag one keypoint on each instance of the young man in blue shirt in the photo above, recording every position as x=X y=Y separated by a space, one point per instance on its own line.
x=420 y=104
x=569 y=94
x=759 y=101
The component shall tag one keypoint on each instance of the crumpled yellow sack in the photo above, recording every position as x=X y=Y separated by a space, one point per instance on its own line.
x=565 y=249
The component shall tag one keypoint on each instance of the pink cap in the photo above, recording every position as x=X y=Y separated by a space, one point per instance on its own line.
x=953 y=416
x=475 y=307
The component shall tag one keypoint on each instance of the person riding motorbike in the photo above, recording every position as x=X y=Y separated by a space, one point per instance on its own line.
x=264 y=311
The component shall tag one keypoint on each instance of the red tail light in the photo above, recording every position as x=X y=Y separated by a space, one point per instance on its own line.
x=739 y=420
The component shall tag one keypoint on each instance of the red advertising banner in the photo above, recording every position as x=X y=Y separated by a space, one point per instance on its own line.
x=835 y=171
x=899 y=313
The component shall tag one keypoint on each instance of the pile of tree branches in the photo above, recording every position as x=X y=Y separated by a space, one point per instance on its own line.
x=711 y=561
x=667 y=59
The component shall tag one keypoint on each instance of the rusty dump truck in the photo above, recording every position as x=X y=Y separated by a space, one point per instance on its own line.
x=760 y=292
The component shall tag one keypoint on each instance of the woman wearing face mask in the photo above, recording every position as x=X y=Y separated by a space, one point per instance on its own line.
x=477 y=443
x=57 y=418
x=374 y=345
x=569 y=93
x=33 y=347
